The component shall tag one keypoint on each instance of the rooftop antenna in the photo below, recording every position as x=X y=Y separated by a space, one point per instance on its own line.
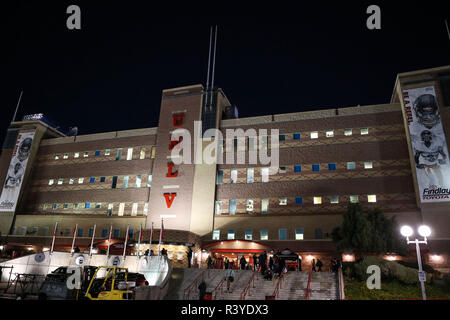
x=17 y=107
x=448 y=31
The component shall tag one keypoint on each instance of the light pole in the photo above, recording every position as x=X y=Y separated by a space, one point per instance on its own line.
x=425 y=232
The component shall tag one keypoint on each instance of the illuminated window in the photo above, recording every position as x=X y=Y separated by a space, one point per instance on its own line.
x=51 y=181
x=76 y=205
x=98 y=205
x=216 y=235
x=282 y=234
x=232 y=206
x=76 y=155
x=121 y=209
x=330 y=134
x=110 y=209
x=71 y=180
x=265 y=205
x=364 y=131
x=348 y=132
x=86 y=154
x=97 y=153
x=134 y=209
x=130 y=154
x=317 y=200
x=80 y=232
x=116 y=233
x=332 y=166
x=282 y=201
x=368 y=164
x=142 y=153
x=233 y=176
x=298 y=168
x=149 y=181
x=104 y=233
x=372 y=198
x=125 y=182
x=264 y=234
x=55 y=206
x=119 y=154
x=57 y=156
x=60 y=181
x=250 y=175
x=298 y=200
x=296 y=136
x=66 y=156
x=65 y=206
x=230 y=235
x=334 y=199
x=87 y=205
x=138 y=180
x=249 y=205
x=314 y=135
x=299 y=234
x=351 y=165
x=248 y=234
x=153 y=152
x=316 y=167
x=354 y=199
x=80 y=180
x=265 y=174
x=218 y=207
x=145 y=212
x=107 y=152
x=219 y=179
x=92 y=180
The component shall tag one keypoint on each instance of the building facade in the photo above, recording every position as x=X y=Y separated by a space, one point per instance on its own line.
x=328 y=158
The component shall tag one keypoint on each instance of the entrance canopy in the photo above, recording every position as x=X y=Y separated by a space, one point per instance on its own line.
x=236 y=246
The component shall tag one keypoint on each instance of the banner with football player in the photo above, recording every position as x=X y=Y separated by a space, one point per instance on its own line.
x=16 y=172
x=428 y=144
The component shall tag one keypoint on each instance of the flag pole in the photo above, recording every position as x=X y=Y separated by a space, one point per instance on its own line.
x=139 y=241
x=74 y=236
x=160 y=237
x=151 y=240
x=54 y=237
x=109 y=241
x=125 y=244
x=92 y=240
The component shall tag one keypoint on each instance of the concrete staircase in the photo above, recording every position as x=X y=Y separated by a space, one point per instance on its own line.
x=324 y=286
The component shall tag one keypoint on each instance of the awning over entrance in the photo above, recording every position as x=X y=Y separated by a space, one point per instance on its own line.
x=236 y=246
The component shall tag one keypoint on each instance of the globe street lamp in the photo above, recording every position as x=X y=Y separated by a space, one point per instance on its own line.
x=425 y=232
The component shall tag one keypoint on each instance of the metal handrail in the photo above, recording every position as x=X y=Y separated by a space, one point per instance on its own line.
x=278 y=285
x=194 y=284
x=341 y=284
x=216 y=289
x=247 y=287
x=308 y=287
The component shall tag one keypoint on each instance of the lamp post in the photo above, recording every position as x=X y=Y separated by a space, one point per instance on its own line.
x=425 y=232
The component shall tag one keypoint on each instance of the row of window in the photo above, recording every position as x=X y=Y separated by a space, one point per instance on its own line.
x=372 y=198
x=282 y=169
x=68 y=232
x=98 y=205
x=264 y=234
x=107 y=152
x=138 y=182
x=328 y=134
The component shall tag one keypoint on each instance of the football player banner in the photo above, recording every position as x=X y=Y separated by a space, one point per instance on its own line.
x=428 y=144
x=16 y=172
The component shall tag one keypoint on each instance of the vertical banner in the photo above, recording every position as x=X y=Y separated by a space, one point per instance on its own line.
x=428 y=144
x=16 y=172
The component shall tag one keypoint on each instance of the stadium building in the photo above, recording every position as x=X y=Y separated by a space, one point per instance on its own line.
x=391 y=156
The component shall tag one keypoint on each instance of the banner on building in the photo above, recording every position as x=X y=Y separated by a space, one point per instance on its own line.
x=16 y=172
x=428 y=144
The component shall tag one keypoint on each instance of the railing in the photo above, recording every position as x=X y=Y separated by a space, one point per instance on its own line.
x=188 y=289
x=279 y=284
x=246 y=290
x=308 y=287
x=341 y=284
x=217 y=288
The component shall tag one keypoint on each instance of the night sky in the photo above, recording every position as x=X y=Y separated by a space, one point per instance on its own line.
x=109 y=75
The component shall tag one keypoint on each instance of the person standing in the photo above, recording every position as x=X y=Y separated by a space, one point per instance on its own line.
x=229 y=277
x=271 y=263
x=313 y=265
x=243 y=263
x=255 y=262
x=189 y=257
x=319 y=265
x=226 y=262
x=299 y=263
x=202 y=290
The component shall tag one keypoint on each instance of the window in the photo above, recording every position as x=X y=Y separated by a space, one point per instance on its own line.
x=282 y=234
x=92 y=180
x=329 y=134
x=87 y=205
x=372 y=198
x=86 y=154
x=364 y=131
x=248 y=234
x=57 y=156
x=230 y=235
x=110 y=209
x=76 y=205
x=233 y=176
x=218 y=207
x=107 y=152
x=46 y=205
x=368 y=165
x=216 y=235
x=249 y=205
x=116 y=233
x=80 y=232
x=91 y=232
x=23 y=230
x=298 y=200
x=296 y=136
x=97 y=153
x=282 y=170
x=138 y=180
x=334 y=199
x=265 y=174
x=317 y=200
x=66 y=156
x=149 y=181
x=145 y=212
x=250 y=175
x=153 y=152
x=282 y=137
x=71 y=180
x=76 y=155
x=354 y=199
x=299 y=234
x=60 y=181
x=318 y=233
x=314 y=135
x=80 y=180
x=282 y=201
x=316 y=167
x=102 y=179
x=125 y=182
x=65 y=206
x=219 y=179
x=232 y=209
x=55 y=206
x=121 y=209
x=351 y=165
x=264 y=234
x=114 y=182
x=298 y=168
x=130 y=154
x=142 y=154
x=51 y=182
x=134 y=209
x=332 y=166
x=265 y=205
x=98 y=205
x=348 y=132
x=104 y=233
x=44 y=231
x=119 y=154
